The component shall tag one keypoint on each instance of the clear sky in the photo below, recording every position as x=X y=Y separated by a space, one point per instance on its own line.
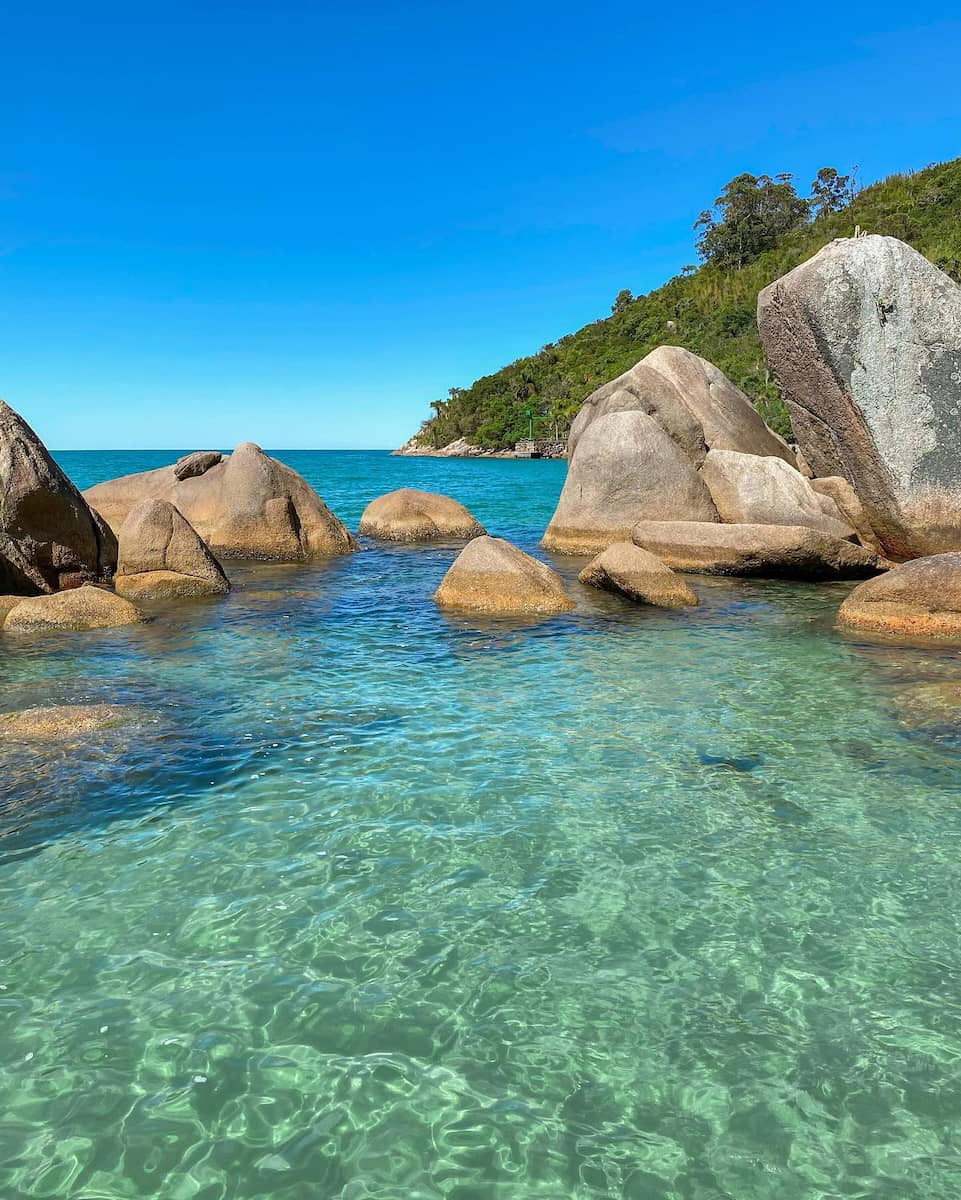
x=298 y=223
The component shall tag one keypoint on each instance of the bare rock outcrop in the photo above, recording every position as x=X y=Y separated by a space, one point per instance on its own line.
x=247 y=506
x=774 y=551
x=629 y=571
x=50 y=538
x=492 y=576
x=865 y=341
x=162 y=557
x=409 y=515
x=626 y=469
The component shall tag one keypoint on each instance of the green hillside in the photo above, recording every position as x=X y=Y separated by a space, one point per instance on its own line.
x=710 y=310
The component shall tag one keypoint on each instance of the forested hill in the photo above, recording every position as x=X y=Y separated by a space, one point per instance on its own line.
x=710 y=309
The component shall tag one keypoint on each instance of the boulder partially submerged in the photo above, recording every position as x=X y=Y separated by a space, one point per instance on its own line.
x=247 y=506
x=86 y=607
x=865 y=341
x=61 y=722
x=775 y=551
x=409 y=515
x=162 y=556
x=492 y=576
x=750 y=490
x=627 y=570
x=918 y=598
x=626 y=469
x=50 y=538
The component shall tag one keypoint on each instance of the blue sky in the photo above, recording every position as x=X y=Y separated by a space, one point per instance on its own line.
x=299 y=223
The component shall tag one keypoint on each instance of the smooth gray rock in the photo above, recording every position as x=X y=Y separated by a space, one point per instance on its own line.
x=750 y=490
x=865 y=341
x=692 y=401
x=626 y=469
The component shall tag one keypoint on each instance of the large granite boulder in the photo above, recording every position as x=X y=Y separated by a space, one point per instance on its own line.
x=919 y=598
x=774 y=551
x=627 y=570
x=691 y=400
x=492 y=576
x=49 y=536
x=85 y=607
x=409 y=515
x=750 y=490
x=837 y=489
x=865 y=341
x=162 y=557
x=247 y=506
x=626 y=469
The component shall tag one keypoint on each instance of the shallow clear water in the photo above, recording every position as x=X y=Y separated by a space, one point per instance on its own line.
x=370 y=901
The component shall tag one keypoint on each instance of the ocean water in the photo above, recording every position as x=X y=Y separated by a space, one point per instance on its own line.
x=367 y=901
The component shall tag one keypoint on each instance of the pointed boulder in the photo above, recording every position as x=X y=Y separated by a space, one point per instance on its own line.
x=629 y=571
x=492 y=576
x=163 y=557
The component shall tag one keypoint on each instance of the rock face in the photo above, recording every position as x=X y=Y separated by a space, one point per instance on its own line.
x=408 y=515
x=492 y=576
x=922 y=598
x=163 y=557
x=629 y=571
x=86 y=607
x=865 y=341
x=626 y=469
x=775 y=551
x=750 y=490
x=49 y=537
x=850 y=508
x=247 y=506
x=691 y=400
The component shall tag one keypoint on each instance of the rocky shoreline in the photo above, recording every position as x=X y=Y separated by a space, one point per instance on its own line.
x=672 y=473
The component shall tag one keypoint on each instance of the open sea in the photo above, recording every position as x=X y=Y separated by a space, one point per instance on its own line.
x=369 y=902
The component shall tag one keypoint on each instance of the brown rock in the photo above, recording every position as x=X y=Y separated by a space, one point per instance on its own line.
x=408 y=515
x=492 y=576
x=192 y=465
x=844 y=497
x=49 y=536
x=248 y=506
x=750 y=490
x=918 y=598
x=629 y=571
x=86 y=607
x=163 y=557
x=626 y=469
x=59 y=722
x=775 y=551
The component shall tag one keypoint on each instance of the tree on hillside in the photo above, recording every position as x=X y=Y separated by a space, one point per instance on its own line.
x=624 y=299
x=832 y=192
x=749 y=216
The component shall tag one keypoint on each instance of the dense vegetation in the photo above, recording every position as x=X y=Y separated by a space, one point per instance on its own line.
x=756 y=231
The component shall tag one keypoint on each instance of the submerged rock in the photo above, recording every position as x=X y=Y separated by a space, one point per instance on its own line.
x=750 y=490
x=50 y=538
x=247 y=506
x=86 y=607
x=626 y=469
x=776 y=551
x=492 y=576
x=629 y=571
x=58 y=722
x=692 y=401
x=163 y=557
x=865 y=341
x=409 y=515
x=918 y=598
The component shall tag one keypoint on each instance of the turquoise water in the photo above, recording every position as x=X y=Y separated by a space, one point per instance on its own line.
x=373 y=902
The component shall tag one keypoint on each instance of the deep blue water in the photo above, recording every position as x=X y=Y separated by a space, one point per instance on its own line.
x=371 y=901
